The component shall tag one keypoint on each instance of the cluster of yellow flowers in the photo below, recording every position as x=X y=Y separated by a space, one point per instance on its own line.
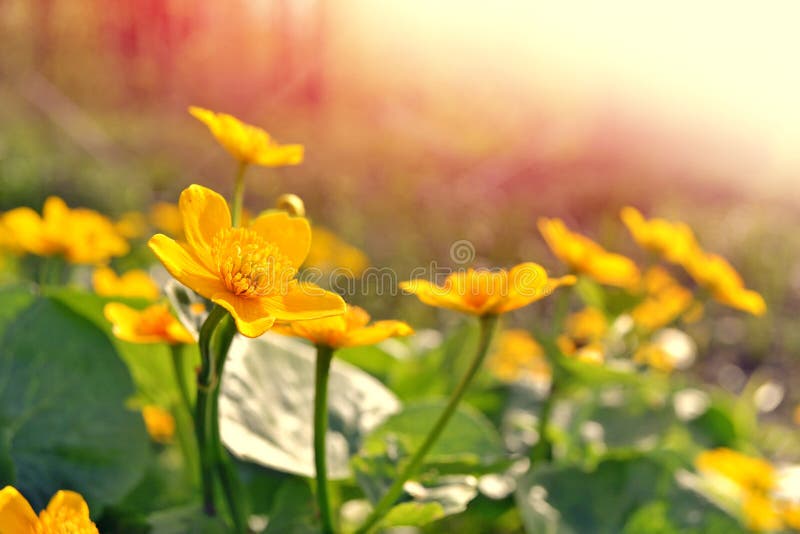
x=754 y=484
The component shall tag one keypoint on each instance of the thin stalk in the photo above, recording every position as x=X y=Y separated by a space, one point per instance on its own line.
x=488 y=327
x=543 y=450
x=324 y=357
x=207 y=382
x=238 y=194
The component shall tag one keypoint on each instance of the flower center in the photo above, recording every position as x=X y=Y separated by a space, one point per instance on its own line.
x=249 y=265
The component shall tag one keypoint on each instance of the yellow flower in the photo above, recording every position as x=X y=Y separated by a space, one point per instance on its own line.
x=8 y=241
x=80 y=235
x=249 y=271
x=583 y=333
x=154 y=324
x=654 y=356
x=517 y=356
x=761 y=514
x=583 y=255
x=485 y=292
x=246 y=143
x=666 y=300
x=721 y=280
x=131 y=225
x=749 y=473
x=67 y=513
x=328 y=252
x=159 y=423
x=673 y=241
x=133 y=284
x=167 y=218
x=348 y=330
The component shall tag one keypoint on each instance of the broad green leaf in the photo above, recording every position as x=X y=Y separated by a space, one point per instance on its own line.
x=13 y=299
x=294 y=511
x=62 y=416
x=266 y=406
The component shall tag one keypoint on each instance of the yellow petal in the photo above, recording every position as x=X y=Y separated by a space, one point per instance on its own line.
x=252 y=316
x=380 y=330
x=28 y=230
x=123 y=319
x=184 y=267
x=70 y=501
x=292 y=235
x=280 y=155
x=304 y=301
x=16 y=514
x=204 y=214
x=434 y=295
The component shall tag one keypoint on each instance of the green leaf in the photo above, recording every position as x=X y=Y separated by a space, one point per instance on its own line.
x=294 y=511
x=186 y=519
x=414 y=514
x=468 y=444
x=62 y=414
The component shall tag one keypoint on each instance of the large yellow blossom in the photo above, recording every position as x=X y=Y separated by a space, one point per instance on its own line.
x=250 y=271
x=329 y=252
x=348 y=330
x=154 y=324
x=135 y=283
x=67 y=513
x=673 y=241
x=585 y=256
x=517 y=356
x=488 y=292
x=80 y=235
x=720 y=279
x=246 y=143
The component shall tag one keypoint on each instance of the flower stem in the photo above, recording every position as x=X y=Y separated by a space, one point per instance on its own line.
x=324 y=357
x=238 y=194
x=488 y=327
x=543 y=450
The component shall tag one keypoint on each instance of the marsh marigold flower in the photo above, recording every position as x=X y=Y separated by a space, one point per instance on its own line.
x=583 y=334
x=673 y=241
x=349 y=330
x=67 y=513
x=250 y=271
x=329 y=252
x=159 y=423
x=720 y=279
x=517 y=356
x=488 y=292
x=80 y=235
x=154 y=324
x=246 y=143
x=664 y=302
x=135 y=283
x=583 y=255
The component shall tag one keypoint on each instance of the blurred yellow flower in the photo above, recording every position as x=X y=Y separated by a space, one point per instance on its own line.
x=159 y=423
x=720 y=279
x=246 y=143
x=8 y=242
x=135 y=283
x=654 y=356
x=80 y=235
x=131 y=225
x=488 y=292
x=750 y=473
x=250 y=271
x=583 y=255
x=517 y=356
x=665 y=300
x=583 y=334
x=348 y=330
x=328 y=253
x=673 y=241
x=166 y=217
x=154 y=324
x=67 y=513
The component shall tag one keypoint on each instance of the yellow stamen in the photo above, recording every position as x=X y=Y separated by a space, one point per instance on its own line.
x=249 y=265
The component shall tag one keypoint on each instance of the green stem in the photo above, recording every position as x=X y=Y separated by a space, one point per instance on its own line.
x=207 y=383
x=324 y=357
x=488 y=327
x=238 y=194
x=543 y=450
